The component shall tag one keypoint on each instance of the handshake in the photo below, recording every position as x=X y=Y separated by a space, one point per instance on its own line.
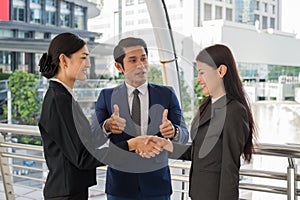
x=149 y=146
x=145 y=146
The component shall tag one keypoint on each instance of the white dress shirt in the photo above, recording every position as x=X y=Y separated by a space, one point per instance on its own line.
x=70 y=90
x=144 y=99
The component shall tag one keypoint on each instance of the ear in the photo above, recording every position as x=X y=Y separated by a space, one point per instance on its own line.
x=222 y=70
x=63 y=60
x=119 y=67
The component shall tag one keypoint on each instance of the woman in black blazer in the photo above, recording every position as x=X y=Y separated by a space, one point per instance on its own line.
x=69 y=143
x=72 y=169
x=222 y=130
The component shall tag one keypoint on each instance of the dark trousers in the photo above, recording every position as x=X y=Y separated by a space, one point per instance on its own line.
x=78 y=196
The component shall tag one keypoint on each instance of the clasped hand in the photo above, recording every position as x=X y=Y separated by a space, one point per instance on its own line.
x=146 y=146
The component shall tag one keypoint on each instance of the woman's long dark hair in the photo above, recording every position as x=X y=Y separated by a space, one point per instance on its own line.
x=215 y=56
x=64 y=43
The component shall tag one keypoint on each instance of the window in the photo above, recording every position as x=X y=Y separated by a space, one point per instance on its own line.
x=35 y=15
x=129 y=12
x=265 y=7
x=272 y=22
x=129 y=2
x=65 y=14
x=50 y=3
x=228 y=14
x=50 y=12
x=5 y=61
x=218 y=12
x=257 y=5
x=19 y=14
x=273 y=9
x=50 y=17
x=129 y=23
x=79 y=17
x=35 y=11
x=256 y=18
x=207 y=11
x=264 y=22
x=38 y=35
x=25 y=34
x=6 y=33
x=5 y=57
x=143 y=21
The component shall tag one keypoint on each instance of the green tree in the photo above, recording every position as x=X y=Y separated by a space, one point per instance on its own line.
x=277 y=70
x=154 y=75
x=199 y=94
x=25 y=102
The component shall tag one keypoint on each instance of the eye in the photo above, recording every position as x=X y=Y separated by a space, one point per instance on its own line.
x=143 y=59
x=200 y=72
x=132 y=61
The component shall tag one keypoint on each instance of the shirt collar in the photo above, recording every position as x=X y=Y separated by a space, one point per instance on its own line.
x=213 y=100
x=70 y=90
x=142 y=88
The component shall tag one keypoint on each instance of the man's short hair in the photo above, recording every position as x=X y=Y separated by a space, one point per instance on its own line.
x=119 y=52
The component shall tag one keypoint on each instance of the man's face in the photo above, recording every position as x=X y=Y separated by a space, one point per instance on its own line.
x=135 y=65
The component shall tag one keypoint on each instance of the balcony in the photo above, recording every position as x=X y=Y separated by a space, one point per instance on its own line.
x=23 y=170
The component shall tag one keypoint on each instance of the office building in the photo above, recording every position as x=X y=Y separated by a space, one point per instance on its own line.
x=27 y=26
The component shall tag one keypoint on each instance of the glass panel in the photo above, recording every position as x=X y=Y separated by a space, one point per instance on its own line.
x=218 y=14
x=79 y=17
x=207 y=11
x=229 y=14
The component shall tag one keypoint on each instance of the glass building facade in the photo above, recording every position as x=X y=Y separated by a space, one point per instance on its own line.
x=25 y=32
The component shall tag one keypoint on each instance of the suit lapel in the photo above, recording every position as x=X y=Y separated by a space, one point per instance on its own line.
x=201 y=117
x=215 y=128
x=120 y=97
x=155 y=110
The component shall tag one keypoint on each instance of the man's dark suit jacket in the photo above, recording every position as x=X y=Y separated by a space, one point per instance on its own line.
x=219 y=133
x=72 y=169
x=149 y=177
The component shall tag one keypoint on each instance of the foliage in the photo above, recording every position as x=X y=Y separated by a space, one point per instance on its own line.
x=25 y=102
x=199 y=94
x=4 y=76
x=276 y=71
x=154 y=75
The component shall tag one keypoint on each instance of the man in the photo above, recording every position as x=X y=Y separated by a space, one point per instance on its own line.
x=139 y=108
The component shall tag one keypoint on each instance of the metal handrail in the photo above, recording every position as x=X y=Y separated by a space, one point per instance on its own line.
x=290 y=151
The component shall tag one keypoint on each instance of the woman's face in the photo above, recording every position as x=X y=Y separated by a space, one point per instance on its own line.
x=210 y=80
x=78 y=64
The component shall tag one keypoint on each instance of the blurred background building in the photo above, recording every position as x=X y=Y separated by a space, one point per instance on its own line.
x=27 y=26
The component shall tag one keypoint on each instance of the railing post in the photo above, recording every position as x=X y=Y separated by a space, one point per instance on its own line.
x=291 y=180
x=6 y=173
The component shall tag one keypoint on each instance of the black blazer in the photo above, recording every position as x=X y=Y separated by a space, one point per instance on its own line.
x=219 y=133
x=72 y=169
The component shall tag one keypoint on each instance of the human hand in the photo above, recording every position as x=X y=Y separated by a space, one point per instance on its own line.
x=115 y=124
x=145 y=145
x=166 y=129
x=159 y=142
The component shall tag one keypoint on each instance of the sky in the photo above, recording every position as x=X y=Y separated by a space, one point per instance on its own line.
x=291 y=16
